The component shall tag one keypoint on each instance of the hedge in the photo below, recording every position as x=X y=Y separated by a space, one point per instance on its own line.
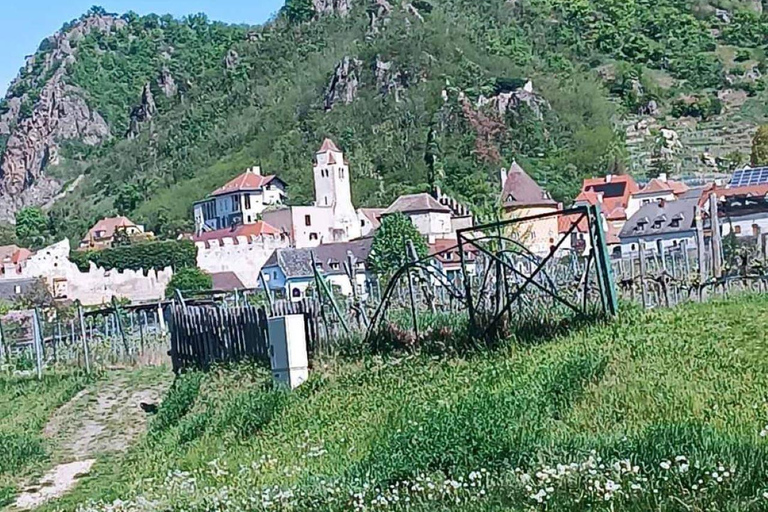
x=142 y=256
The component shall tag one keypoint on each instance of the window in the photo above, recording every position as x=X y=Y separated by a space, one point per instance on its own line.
x=17 y=289
x=326 y=200
x=313 y=236
x=755 y=230
x=341 y=174
x=334 y=266
x=247 y=201
x=296 y=293
x=307 y=220
x=236 y=203
x=646 y=201
x=737 y=230
x=249 y=219
x=448 y=256
x=267 y=277
x=634 y=247
x=675 y=223
x=362 y=223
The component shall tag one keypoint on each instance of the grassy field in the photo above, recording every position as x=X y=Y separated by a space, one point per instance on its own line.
x=658 y=411
x=25 y=406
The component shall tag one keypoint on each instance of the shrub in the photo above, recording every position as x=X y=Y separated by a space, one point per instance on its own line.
x=177 y=254
x=178 y=402
x=188 y=280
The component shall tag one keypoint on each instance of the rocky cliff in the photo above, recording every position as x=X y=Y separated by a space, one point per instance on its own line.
x=42 y=111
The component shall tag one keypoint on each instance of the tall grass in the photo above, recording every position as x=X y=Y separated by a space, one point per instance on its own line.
x=654 y=411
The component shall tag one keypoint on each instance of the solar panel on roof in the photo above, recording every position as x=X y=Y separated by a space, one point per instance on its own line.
x=747 y=177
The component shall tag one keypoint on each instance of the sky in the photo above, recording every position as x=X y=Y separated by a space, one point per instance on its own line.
x=24 y=23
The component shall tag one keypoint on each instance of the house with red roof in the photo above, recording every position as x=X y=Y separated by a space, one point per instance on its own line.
x=742 y=210
x=658 y=189
x=612 y=193
x=102 y=234
x=239 y=201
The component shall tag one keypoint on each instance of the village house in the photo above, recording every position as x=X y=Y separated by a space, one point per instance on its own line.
x=656 y=190
x=612 y=193
x=447 y=259
x=742 y=210
x=431 y=219
x=289 y=272
x=333 y=217
x=578 y=242
x=659 y=227
x=522 y=197
x=103 y=234
x=370 y=220
x=240 y=201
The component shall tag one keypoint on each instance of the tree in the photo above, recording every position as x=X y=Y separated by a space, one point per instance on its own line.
x=760 y=147
x=31 y=227
x=299 y=11
x=388 y=251
x=190 y=279
x=128 y=198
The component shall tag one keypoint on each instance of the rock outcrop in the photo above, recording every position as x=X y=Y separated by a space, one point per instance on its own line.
x=344 y=83
x=231 y=60
x=511 y=101
x=142 y=113
x=378 y=14
x=389 y=80
x=340 y=7
x=167 y=84
x=36 y=124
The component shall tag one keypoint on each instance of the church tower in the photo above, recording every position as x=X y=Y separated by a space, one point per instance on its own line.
x=333 y=190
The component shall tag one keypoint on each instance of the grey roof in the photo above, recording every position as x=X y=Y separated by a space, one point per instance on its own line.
x=330 y=258
x=521 y=190
x=8 y=290
x=416 y=203
x=661 y=218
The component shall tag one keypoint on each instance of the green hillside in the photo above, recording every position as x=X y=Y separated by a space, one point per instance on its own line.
x=386 y=78
x=659 y=411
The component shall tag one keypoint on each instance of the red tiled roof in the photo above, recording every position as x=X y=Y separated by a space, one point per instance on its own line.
x=659 y=185
x=450 y=246
x=564 y=223
x=109 y=226
x=14 y=253
x=329 y=145
x=617 y=213
x=748 y=191
x=249 y=180
x=616 y=192
x=248 y=230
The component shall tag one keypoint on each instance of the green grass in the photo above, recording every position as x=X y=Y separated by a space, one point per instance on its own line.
x=669 y=406
x=25 y=406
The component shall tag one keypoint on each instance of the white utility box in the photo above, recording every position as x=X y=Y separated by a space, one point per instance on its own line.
x=288 y=350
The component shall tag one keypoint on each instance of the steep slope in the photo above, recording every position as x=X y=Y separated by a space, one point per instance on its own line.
x=189 y=103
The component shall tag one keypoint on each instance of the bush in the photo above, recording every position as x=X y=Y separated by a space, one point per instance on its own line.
x=177 y=254
x=188 y=280
x=702 y=107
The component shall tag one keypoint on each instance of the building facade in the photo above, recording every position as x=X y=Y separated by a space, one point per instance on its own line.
x=522 y=197
x=240 y=201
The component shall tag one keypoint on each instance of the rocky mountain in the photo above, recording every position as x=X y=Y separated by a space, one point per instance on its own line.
x=142 y=115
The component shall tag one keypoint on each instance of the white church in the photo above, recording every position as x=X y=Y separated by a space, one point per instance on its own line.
x=252 y=204
x=333 y=217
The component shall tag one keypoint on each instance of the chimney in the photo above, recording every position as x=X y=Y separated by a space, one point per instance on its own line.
x=662 y=203
x=256 y=170
x=503 y=174
x=600 y=197
x=608 y=178
x=663 y=177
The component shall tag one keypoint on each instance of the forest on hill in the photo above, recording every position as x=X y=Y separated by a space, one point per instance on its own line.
x=143 y=115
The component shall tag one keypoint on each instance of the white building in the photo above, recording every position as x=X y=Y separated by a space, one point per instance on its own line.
x=241 y=201
x=658 y=189
x=333 y=217
x=431 y=219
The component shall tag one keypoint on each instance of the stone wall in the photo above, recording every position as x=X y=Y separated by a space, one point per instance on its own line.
x=242 y=255
x=98 y=285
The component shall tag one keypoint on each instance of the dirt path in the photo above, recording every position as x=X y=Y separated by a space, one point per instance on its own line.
x=104 y=418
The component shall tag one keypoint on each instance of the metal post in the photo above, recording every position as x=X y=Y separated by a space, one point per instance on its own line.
x=467 y=285
x=700 y=250
x=323 y=288
x=38 y=342
x=3 y=356
x=717 y=245
x=643 y=289
x=608 y=283
x=86 y=355
x=119 y=325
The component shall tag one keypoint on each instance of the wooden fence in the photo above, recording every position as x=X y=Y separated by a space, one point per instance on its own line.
x=201 y=336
